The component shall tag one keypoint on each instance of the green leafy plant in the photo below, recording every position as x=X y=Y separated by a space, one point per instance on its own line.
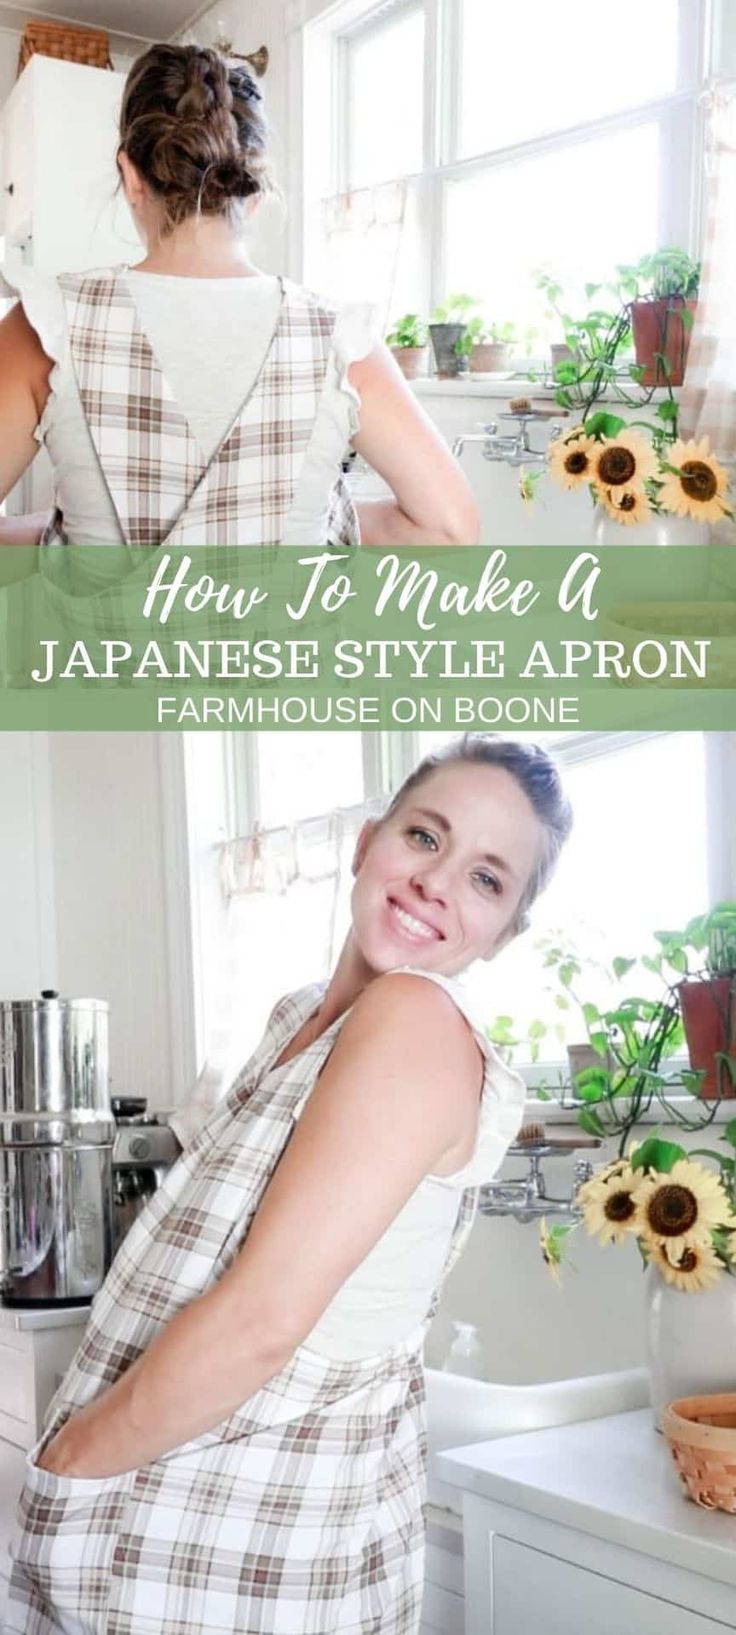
x=410 y=330
x=600 y=341
x=455 y=309
x=478 y=333
x=665 y=273
x=634 y=1037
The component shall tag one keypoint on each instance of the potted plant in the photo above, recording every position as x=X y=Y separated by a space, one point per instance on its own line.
x=707 y=995
x=488 y=346
x=408 y=342
x=662 y=290
x=447 y=330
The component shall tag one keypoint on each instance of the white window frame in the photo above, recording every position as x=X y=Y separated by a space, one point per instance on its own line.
x=319 y=165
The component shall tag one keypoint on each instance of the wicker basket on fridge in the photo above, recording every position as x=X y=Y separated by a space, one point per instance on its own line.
x=86 y=45
x=701 y=1432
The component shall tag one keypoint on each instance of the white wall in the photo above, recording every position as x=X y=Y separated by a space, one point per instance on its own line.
x=83 y=894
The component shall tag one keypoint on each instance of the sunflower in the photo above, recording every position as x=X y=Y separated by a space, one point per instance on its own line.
x=571 y=458
x=627 y=505
x=698 y=486
x=608 y=1203
x=680 y=1208
x=552 y=1244
x=698 y=1267
x=624 y=461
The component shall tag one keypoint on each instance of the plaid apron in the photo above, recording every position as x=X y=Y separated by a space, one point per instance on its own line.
x=163 y=490
x=300 y=1514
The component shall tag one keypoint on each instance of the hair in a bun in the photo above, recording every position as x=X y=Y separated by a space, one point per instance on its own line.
x=192 y=123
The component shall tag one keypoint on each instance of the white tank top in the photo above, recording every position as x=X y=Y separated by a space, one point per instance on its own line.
x=389 y=1293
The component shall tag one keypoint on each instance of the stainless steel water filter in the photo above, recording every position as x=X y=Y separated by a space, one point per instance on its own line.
x=56 y=1138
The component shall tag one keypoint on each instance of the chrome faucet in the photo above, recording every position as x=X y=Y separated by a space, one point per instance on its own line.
x=527 y=1198
x=512 y=447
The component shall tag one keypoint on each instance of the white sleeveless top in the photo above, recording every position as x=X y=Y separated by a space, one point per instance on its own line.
x=210 y=337
x=389 y=1293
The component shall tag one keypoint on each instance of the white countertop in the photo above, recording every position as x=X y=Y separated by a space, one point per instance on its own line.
x=22 y=1318
x=613 y=1478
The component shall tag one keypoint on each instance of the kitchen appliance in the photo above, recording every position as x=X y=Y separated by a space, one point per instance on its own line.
x=145 y=1148
x=56 y=1139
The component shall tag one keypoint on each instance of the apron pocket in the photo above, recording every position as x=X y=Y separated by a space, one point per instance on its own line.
x=64 y=1544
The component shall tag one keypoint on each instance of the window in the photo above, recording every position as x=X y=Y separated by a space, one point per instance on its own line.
x=531 y=138
x=640 y=857
x=635 y=863
x=384 y=91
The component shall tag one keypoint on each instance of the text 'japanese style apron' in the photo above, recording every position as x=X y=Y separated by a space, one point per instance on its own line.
x=300 y=1514
x=163 y=490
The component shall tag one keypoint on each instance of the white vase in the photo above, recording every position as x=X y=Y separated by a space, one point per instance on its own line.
x=658 y=529
x=672 y=579
x=691 y=1339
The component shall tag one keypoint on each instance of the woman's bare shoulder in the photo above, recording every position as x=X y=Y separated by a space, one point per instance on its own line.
x=407 y=1014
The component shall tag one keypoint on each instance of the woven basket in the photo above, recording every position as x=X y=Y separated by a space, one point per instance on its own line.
x=701 y=1432
x=86 y=45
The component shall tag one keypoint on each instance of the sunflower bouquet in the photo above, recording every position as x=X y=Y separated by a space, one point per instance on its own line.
x=637 y=472
x=681 y=1213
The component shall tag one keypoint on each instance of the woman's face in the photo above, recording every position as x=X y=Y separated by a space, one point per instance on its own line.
x=439 y=882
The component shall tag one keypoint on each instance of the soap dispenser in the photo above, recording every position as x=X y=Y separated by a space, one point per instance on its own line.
x=465 y=1355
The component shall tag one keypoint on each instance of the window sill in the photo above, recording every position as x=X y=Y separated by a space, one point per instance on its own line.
x=512 y=386
x=548 y=1112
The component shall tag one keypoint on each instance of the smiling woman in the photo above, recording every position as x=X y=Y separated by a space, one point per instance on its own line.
x=252 y=1372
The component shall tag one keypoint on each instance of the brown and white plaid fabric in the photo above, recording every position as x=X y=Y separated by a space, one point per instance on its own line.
x=302 y=1513
x=162 y=488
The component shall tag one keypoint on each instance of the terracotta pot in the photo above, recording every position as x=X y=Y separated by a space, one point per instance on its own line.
x=489 y=357
x=658 y=327
x=444 y=340
x=412 y=360
x=560 y=352
x=709 y=1019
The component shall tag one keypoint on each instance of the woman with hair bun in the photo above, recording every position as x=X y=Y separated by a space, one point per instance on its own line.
x=239 y=1443
x=192 y=398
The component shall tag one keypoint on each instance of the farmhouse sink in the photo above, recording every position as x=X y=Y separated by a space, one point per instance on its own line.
x=462 y=1410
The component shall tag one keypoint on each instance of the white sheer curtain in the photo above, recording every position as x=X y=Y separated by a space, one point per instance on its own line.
x=355 y=245
x=286 y=897
x=708 y=404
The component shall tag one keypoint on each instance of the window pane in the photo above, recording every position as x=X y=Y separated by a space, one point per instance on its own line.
x=386 y=101
x=541 y=67
x=302 y=774
x=558 y=211
x=636 y=863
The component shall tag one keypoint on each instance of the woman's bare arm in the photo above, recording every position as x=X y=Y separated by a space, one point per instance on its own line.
x=400 y=1090
x=24 y=390
x=433 y=504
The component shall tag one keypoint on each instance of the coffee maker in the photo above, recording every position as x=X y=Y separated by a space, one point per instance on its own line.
x=56 y=1140
x=145 y=1148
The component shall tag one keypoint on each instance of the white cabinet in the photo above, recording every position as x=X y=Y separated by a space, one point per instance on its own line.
x=584 y=1530
x=62 y=207
x=35 y=1349
x=534 y=1591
